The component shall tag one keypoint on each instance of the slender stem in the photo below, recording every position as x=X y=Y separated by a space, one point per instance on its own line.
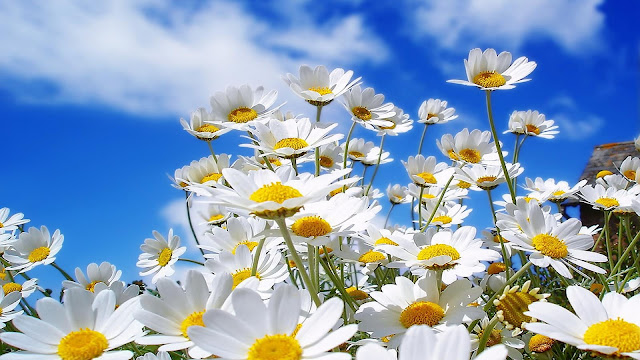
x=505 y=258
x=433 y=213
x=296 y=258
x=311 y=258
x=334 y=278
x=294 y=164
x=191 y=261
x=256 y=257
x=607 y=237
x=630 y=247
x=64 y=273
x=375 y=170
x=386 y=220
x=212 y=153
x=413 y=214
x=515 y=150
x=422 y=138
x=420 y=209
x=364 y=173
x=498 y=148
x=318 y=111
x=486 y=332
x=346 y=145
x=193 y=232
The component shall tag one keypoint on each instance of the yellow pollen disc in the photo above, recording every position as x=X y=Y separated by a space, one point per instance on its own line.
x=540 y=343
x=596 y=288
x=386 y=339
x=427 y=177
x=470 y=155
x=207 y=128
x=496 y=268
x=452 y=155
x=484 y=179
x=326 y=161
x=211 y=177
x=275 y=192
x=3 y=274
x=385 y=241
x=242 y=275
x=432 y=251
x=489 y=79
x=275 y=347
x=421 y=313
x=311 y=226
x=532 y=129
x=292 y=264
x=630 y=174
x=242 y=115
x=321 y=250
x=216 y=217
x=164 y=257
x=615 y=333
x=528 y=198
x=321 y=90
x=92 y=285
x=607 y=202
x=335 y=192
x=444 y=219
x=603 y=173
x=430 y=115
x=250 y=244
x=428 y=196
x=356 y=294
x=84 y=344
x=194 y=319
x=371 y=257
x=550 y=245
x=183 y=184
x=1 y=225
x=361 y=113
x=11 y=287
x=273 y=161
x=39 y=254
x=498 y=239
x=558 y=193
x=463 y=184
x=294 y=143
x=389 y=127
x=495 y=337
x=513 y=305
x=356 y=154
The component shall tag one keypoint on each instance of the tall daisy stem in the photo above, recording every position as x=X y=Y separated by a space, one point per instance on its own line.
x=435 y=209
x=346 y=146
x=64 y=273
x=424 y=132
x=505 y=258
x=215 y=159
x=499 y=148
x=375 y=171
x=256 y=257
x=339 y=285
x=318 y=112
x=193 y=232
x=296 y=258
x=486 y=333
x=386 y=220
x=607 y=237
x=191 y=261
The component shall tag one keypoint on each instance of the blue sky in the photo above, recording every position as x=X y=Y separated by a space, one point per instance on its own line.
x=91 y=93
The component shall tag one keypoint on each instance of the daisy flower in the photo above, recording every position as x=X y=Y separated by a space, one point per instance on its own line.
x=123 y=292
x=259 y=331
x=531 y=123
x=367 y=108
x=358 y=149
x=206 y=172
x=105 y=273
x=202 y=126
x=159 y=255
x=610 y=328
x=214 y=215
x=404 y=304
x=83 y=327
x=399 y=123
x=291 y=138
x=431 y=194
x=236 y=108
x=397 y=194
x=25 y=289
x=499 y=335
x=446 y=215
x=513 y=303
x=605 y=199
x=239 y=231
x=630 y=168
x=374 y=157
x=375 y=236
x=435 y=111
x=559 y=191
x=487 y=177
x=331 y=156
x=162 y=355
x=495 y=278
x=490 y=71
x=319 y=87
x=469 y=147
x=427 y=171
x=8 y=303
x=9 y=224
x=34 y=247
x=278 y=194
x=258 y=162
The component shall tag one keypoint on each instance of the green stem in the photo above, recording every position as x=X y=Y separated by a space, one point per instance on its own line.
x=498 y=147
x=422 y=138
x=375 y=170
x=420 y=209
x=212 y=153
x=64 y=273
x=256 y=257
x=346 y=146
x=627 y=251
x=294 y=164
x=318 y=112
x=386 y=220
x=435 y=209
x=334 y=278
x=486 y=332
x=505 y=258
x=607 y=238
x=191 y=261
x=193 y=232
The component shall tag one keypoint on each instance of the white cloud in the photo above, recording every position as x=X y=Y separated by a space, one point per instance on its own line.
x=459 y=25
x=162 y=57
x=574 y=124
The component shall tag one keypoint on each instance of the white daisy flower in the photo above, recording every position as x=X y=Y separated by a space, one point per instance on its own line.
x=34 y=247
x=239 y=231
x=367 y=108
x=431 y=194
x=435 y=111
x=531 y=123
x=202 y=126
x=214 y=214
x=404 y=304
x=206 y=172
x=162 y=355
x=499 y=335
x=123 y=293
x=490 y=71
x=25 y=289
x=469 y=147
x=399 y=123
x=398 y=194
x=331 y=156
x=83 y=327
x=559 y=191
x=487 y=177
x=9 y=224
x=257 y=162
x=495 y=278
x=291 y=138
x=630 y=168
x=159 y=255
x=374 y=156
x=610 y=327
x=358 y=149
x=427 y=171
x=375 y=236
x=605 y=199
x=105 y=273
x=268 y=332
x=446 y=215
x=236 y=108
x=491 y=240
x=8 y=303
x=319 y=87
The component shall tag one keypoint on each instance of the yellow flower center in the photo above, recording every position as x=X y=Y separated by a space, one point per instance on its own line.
x=326 y=161
x=444 y=219
x=91 y=286
x=470 y=155
x=207 y=128
x=321 y=250
x=386 y=339
x=3 y=274
x=273 y=161
x=356 y=294
x=615 y=333
x=432 y=251
x=311 y=226
x=216 y=217
x=463 y=184
x=496 y=268
x=550 y=245
x=1 y=225
x=242 y=115
x=250 y=244
x=630 y=174
x=294 y=143
x=361 y=113
x=421 y=313
x=194 y=319
x=452 y=155
x=540 y=343
x=275 y=347
x=513 y=305
x=242 y=275
x=335 y=192
x=603 y=173
x=275 y=192
x=11 y=287
x=427 y=177
x=558 y=193
x=39 y=254
x=356 y=154
x=385 y=241
x=371 y=257
x=164 y=257
x=321 y=90
x=498 y=239
x=428 y=196
x=211 y=177
x=532 y=129
x=84 y=344
x=484 y=179
x=607 y=202
x=389 y=127
x=489 y=79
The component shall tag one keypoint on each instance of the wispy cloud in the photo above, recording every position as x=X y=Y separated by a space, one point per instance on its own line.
x=574 y=123
x=152 y=58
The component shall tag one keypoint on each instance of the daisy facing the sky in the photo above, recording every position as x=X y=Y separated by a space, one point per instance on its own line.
x=159 y=255
x=319 y=87
x=34 y=247
x=238 y=107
